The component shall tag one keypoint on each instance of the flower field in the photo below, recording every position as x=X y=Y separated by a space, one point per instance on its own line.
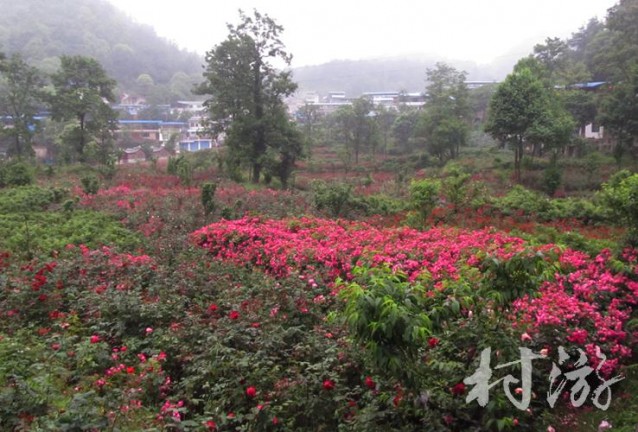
x=266 y=315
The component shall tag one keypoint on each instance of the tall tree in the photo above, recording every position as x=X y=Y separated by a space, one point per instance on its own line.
x=21 y=97
x=444 y=126
x=247 y=91
x=619 y=112
x=518 y=104
x=82 y=92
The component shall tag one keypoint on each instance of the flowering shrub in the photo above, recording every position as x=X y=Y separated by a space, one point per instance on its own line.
x=555 y=296
x=329 y=249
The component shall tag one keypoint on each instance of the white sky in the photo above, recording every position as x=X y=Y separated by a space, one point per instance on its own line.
x=322 y=30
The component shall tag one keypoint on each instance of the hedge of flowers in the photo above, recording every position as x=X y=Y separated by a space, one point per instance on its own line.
x=581 y=300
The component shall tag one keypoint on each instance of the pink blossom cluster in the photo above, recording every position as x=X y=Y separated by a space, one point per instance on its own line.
x=586 y=303
x=309 y=245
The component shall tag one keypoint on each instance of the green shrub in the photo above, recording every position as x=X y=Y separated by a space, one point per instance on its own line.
x=334 y=198
x=36 y=233
x=379 y=204
x=551 y=179
x=521 y=200
x=29 y=198
x=16 y=174
x=620 y=196
x=424 y=197
x=90 y=184
x=184 y=171
x=208 y=197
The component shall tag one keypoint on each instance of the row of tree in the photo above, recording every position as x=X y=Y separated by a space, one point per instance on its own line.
x=77 y=96
x=441 y=127
x=542 y=107
x=542 y=102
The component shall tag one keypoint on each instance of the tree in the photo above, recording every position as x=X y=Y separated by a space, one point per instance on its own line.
x=247 y=92
x=619 y=112
x=356 y=127
x=403 y=129
x=82 y=92
x=622 y=23
x=21 y=95
x=384 y=118
x=517 y=105
x=309 y=118
x=444 y=126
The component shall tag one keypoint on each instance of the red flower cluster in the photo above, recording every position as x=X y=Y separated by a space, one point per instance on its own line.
x=328 y=385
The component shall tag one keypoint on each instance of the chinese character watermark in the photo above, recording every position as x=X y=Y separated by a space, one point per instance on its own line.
x=557 y=380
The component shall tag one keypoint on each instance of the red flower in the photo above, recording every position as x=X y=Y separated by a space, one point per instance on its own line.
x=212 y=308
x=233 y=315
x=95 y=339
x=370 y=383
x=458 y=389
x=328 y=384
x=130 y=370
x=432 y=342
x=251 y=392
x=211 y=425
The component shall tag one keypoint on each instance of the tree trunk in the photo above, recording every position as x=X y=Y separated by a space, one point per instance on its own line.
x=518 y=157
x=256 y=173
x=81 y=146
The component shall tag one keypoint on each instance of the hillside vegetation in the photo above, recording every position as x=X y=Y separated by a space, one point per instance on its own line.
x=44 y=30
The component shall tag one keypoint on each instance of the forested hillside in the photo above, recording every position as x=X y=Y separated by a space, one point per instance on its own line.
x=43 y=30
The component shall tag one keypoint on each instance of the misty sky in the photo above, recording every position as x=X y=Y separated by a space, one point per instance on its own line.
x=322 y=30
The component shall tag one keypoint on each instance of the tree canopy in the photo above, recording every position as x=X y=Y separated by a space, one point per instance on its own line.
x=82 y=92
x=247 y=94
x=21 y=97
x=444 y=126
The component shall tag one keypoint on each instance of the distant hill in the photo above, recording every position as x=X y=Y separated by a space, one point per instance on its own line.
x=395 y=73
x=42 y=30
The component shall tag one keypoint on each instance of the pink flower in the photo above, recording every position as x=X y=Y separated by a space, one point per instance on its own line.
x=149 y=330
x=251 y=392
x=458 y=389
x=328 y=385
x=370 y=383
x=525 y=337
x=95 y=339
x=579 y=337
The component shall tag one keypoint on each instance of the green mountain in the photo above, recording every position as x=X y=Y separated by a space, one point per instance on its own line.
x=42 y=30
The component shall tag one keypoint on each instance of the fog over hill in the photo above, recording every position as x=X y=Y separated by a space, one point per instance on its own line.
x=397 y=73
x=43 y=30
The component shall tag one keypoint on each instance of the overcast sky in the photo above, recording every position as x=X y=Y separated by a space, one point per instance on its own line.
x=322 y=30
